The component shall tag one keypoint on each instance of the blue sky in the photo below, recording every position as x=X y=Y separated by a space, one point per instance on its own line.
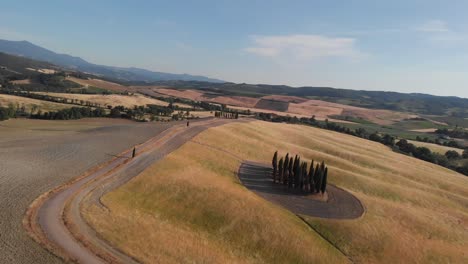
x=406 y=46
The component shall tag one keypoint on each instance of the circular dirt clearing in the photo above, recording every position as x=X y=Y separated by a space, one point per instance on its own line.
x=340 y=204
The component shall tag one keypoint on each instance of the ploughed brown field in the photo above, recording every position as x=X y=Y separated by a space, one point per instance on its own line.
x=190 y=206
x=38 y=155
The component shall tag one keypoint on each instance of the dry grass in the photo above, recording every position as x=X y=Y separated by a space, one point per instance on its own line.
x=286 y=98
x=44 y=70
x=416 y=211
x=241 y=101
x=187 y=94
x=434 y=147
x=28 y=103
x=25 y=81
x=202 y=114
x=100 y=84
x=111 y=99
x=425 y=130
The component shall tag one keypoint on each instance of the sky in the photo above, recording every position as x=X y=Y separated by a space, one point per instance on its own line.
x=405 y=46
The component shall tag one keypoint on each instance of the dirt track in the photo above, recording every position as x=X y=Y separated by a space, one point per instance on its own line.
x=340 y=205
x=36 y=156
x=91 y=188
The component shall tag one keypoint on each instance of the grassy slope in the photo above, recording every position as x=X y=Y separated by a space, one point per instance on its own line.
x=112 y=99
x=44 y=106
x=435 y=148
x=416 y=211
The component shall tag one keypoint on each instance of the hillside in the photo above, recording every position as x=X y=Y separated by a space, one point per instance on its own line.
x=415 y=103
x=415 y=211
x=29 y=50
x=19 y=67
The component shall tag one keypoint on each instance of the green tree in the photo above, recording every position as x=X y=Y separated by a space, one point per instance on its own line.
x=115 y=113
x=452 y=154
x=465 y=154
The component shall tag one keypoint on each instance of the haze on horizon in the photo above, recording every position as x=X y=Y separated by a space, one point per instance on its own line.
x=404 y=46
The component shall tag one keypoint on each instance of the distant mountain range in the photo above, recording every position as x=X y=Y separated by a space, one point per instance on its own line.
x=29 y=50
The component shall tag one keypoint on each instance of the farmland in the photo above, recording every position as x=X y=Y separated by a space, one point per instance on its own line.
x=38 y=155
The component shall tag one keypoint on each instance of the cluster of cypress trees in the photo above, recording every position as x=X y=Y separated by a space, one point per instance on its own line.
x=296 y=174
x=226 y=115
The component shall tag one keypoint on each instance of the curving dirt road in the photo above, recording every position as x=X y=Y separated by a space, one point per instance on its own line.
x=56 y=221
x=340 y=204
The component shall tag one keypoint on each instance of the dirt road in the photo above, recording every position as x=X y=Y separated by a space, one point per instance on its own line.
x=340 y=204
x=61 y=211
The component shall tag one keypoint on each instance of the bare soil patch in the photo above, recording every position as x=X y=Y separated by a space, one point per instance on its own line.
x=36 y=156
x=279 y=106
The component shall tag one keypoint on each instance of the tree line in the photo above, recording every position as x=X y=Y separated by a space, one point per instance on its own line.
x=298 y=175
x=227 y=115
x=70 y=113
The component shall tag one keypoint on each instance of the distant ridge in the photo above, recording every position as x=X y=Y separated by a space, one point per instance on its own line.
x=32 y=51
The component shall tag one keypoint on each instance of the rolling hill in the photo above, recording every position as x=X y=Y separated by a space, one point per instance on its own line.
x=29 y=50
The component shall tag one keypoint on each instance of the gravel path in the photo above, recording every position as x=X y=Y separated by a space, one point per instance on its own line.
x=92 y=187
x=340 y=204
x=35 y=161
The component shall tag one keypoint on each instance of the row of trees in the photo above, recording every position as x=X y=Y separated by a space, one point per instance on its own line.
x=298 y=175
x=46 y=97
x=70 y=113
x=228 y=115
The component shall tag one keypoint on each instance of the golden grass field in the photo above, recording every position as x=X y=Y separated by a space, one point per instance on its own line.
x=44 y=106
x=100 y=83
x=434 y=147
x=190 y=207
x=111 y=99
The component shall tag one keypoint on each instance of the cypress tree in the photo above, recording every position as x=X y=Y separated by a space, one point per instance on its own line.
x=290 y=170
x=274 y=163
x=286 y=166
x=311 y=177
x=320 y=180
x=302 y=179
x=305 y=177
x=316 y=178
x=298 y=175
x=280 y=170
x=324 y=181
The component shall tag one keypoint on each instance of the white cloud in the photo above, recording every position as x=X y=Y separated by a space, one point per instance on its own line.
x=433 y=26
x=304 y=47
